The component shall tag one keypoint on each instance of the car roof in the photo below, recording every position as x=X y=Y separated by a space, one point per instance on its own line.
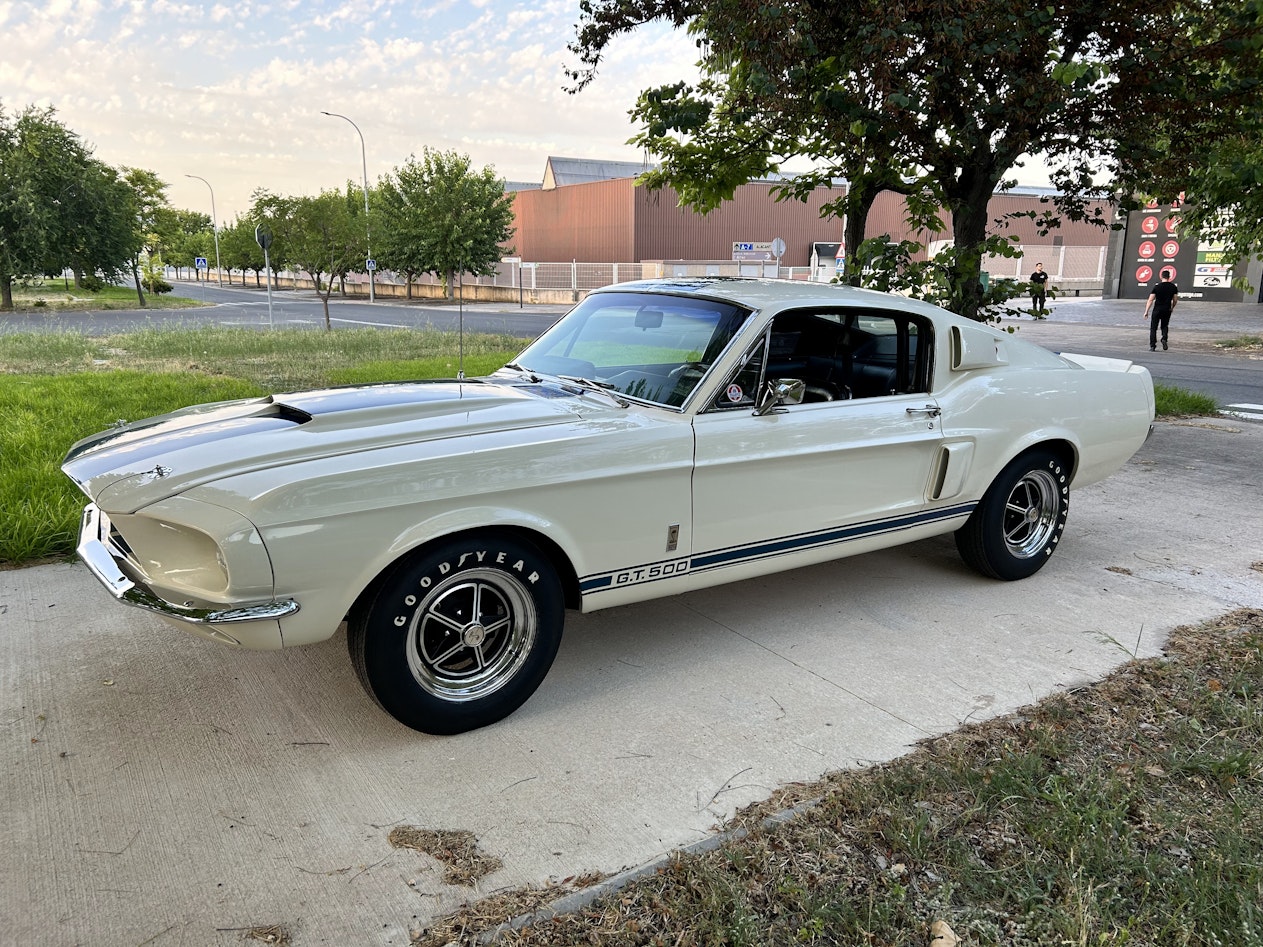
x=765 y=293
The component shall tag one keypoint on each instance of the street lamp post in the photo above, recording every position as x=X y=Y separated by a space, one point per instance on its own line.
x=219 y=273
x=368 y=230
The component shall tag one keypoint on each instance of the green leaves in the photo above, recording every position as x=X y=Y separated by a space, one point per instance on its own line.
x=59 y=206
x=439 y=215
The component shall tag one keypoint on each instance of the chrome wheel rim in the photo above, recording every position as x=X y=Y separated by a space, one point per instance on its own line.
x=471 y=635
x=1030 y=514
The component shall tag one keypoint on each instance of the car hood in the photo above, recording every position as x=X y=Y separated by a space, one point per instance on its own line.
x=134 y=464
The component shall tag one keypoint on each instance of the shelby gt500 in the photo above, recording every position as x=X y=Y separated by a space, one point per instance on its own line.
x=661 y=437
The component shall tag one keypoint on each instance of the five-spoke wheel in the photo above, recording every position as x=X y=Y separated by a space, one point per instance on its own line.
x=460 y=635
x=1018 y=522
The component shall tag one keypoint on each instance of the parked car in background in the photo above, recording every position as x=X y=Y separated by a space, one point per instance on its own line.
x=663 y=436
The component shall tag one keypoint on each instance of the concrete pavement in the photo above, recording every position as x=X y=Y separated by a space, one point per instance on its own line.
x=161 y=790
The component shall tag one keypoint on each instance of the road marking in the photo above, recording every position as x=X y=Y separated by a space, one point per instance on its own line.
x=1243 y=412
x=360 y=322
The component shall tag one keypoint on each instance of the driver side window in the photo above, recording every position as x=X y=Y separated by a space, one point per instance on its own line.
x=838 y=355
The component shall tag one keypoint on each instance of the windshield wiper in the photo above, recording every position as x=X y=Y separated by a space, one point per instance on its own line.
x=515 y=367
x=600 y=387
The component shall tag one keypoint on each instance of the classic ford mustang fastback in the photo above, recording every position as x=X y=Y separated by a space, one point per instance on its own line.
x=663 y=436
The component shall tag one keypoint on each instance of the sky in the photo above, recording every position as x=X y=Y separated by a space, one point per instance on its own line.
x=233 y=93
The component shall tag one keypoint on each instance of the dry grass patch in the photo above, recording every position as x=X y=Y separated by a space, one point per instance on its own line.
x=1126 y=812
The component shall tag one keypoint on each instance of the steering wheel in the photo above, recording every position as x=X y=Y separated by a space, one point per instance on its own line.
x=680 y=370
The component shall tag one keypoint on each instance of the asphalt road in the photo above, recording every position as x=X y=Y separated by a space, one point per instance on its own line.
x=1114 y=328
x=1087 y=325
x=248 y=308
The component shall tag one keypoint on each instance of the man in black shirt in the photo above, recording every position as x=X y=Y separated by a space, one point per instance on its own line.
x=1039 y=281
x=1162 y=301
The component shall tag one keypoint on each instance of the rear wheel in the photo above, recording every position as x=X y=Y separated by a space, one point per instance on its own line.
x=460 y=635
x=1018 y=523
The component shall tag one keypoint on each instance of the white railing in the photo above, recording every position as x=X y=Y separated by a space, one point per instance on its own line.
x=1062 y=264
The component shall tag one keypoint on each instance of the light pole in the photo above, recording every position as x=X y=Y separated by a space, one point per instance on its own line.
x=368 y=230
x=219 y=273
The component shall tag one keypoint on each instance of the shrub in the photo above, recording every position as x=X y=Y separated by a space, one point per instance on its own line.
x=92 y=283
x=155 y=285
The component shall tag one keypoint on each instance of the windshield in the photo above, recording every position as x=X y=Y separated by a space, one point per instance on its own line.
x=646 y=346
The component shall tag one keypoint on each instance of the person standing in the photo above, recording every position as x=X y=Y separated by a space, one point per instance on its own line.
x=1162 y=303
x=1039 y=284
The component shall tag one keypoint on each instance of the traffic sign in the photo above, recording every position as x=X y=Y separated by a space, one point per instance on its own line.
x=200 y=263
x=262 y=237
x=371 y=264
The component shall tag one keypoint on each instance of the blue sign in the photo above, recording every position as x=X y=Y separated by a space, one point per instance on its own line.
x=372 y=265
x=200 y=263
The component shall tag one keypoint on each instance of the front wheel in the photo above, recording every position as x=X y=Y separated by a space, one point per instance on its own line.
x=1018 y=523
x=460 y=635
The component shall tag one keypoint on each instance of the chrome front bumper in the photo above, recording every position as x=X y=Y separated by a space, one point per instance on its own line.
x=102 y=558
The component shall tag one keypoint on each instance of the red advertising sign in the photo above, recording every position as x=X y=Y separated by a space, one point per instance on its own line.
x=1172 y=223
x=1144 y=274
x=1149 y=225
x=1147 y=249
x=1170 y=249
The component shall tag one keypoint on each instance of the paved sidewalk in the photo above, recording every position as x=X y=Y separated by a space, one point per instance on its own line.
x=161 y=790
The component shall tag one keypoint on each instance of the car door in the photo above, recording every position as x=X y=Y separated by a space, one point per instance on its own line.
x=825 y=472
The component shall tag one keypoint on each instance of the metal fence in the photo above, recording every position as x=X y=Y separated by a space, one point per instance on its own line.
x=1062 y=264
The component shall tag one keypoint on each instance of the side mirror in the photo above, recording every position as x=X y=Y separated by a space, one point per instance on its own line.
x=781 y=391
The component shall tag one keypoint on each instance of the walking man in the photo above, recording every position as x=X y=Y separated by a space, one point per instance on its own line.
x=1039 y=284
x=1162 y=302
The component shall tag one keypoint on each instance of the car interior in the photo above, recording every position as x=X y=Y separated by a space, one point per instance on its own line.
x=838 y=355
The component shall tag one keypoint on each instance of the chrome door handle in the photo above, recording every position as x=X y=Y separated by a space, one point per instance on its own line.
x=930 y=410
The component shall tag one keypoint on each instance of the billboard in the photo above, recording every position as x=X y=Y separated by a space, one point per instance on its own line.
x=1155 y=243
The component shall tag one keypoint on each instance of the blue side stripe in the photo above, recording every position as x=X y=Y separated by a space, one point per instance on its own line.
x=774 y=547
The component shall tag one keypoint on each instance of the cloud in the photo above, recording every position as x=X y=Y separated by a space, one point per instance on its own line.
x=234 y=93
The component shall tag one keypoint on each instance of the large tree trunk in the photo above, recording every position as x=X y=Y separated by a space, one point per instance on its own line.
x=968 y=199
x=6 y=292
x=859 y=202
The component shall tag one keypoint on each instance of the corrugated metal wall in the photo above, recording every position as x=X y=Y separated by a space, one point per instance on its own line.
x=888 y=216
x=618 y=222
x=591 y=223
x=665 y=231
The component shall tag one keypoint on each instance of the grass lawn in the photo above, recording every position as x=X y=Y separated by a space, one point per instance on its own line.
x=59 y=295
x=60 y=387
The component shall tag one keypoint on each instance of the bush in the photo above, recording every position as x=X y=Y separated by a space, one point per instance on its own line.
x=157 y=286
x=93 y=284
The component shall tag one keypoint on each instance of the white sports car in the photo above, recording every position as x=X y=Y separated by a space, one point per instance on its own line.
x=663 y=436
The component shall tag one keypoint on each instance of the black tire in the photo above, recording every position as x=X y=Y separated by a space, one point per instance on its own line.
x=1018 y=523
x=459 y=635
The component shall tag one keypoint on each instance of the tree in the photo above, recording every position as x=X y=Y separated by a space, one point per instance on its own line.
x=155 y=217
x=192 y=234
x=321 y=236
x=103 y=236
x=1218 y=170
x=953 y=94
x=59 y=206
x=239 y=250
x=440 y=216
